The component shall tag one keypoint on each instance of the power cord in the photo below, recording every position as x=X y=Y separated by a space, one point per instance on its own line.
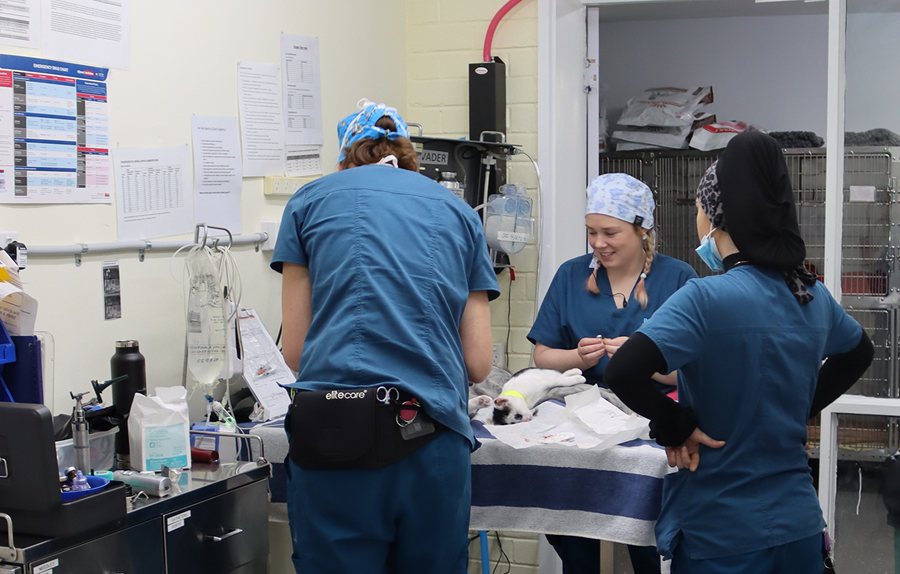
x=540 y=237
x=501 y=557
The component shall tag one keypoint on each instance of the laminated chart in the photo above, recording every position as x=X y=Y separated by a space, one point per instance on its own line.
x=54 y=132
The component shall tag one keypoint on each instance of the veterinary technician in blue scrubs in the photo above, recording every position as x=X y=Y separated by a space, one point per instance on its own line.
x=749 y=346
x=595 y=302
x=386 y=282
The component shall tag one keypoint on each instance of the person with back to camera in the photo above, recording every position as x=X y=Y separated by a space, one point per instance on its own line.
x=594 y=303
x=386 y=282
x=749 y=346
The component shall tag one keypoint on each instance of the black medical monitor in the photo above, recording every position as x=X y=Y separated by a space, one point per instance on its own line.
x=29 y=473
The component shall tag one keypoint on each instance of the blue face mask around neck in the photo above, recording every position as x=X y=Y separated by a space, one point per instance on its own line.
x=709 y=252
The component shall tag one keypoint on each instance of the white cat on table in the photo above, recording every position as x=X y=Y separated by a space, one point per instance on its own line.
x=527 y=389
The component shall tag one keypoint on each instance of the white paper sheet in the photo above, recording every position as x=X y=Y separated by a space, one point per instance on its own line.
x=20 y=23
x=262 y=125
x=217 y=172
x=153 y=192
x=587 y=421
x=95 y=32
x=612 y=425
x=264 y=367
x=302 y=160
x=301 y=90
x=18 y=310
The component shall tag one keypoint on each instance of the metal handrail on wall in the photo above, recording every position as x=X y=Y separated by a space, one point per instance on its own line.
x=141 y=246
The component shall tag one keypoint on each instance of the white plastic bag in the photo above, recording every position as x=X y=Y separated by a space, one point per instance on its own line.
x=158 y=430
x=665 y=106
x=670 y=137
x=717 y=136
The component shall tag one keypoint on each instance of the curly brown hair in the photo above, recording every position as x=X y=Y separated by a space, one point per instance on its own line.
x=368 y=151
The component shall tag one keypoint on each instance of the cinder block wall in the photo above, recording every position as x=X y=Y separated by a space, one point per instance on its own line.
x=442 y=38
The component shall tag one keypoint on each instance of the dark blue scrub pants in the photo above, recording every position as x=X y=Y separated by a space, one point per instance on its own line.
x=801 y=557
x=410 y=517
x=582 y=555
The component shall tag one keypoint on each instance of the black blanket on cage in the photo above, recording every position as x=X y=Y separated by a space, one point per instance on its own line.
x=797 y=139
x=875 y=137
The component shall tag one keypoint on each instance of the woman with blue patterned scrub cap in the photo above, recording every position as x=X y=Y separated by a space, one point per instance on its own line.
x=386 y=283
x=595 y=302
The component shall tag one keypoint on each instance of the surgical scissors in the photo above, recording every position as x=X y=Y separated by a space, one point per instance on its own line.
x=386 y=396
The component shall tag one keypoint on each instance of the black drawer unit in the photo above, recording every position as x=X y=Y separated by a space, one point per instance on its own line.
x=134 y=550
x=226 y=533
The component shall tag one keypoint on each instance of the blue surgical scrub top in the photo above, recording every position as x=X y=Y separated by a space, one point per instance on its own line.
x=570 y=312
x=749 y=357
x=392 y=258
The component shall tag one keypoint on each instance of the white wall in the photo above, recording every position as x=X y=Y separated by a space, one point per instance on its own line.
x=770 y=71
x=183 y=61
x=873 y=74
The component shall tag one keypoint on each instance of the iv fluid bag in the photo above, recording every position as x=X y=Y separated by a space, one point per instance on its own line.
x=206 y=330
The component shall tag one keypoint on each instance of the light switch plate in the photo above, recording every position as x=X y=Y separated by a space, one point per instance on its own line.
x=498 y=354
x=270 y=228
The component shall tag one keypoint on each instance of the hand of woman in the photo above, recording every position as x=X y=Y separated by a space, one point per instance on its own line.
x=688 y=454
x=590 y=350
x=612 y=345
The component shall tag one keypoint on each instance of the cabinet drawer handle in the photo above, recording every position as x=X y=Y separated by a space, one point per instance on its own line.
x=229 y=535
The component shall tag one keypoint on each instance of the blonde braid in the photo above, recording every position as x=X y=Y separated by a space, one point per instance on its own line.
x=649 y=245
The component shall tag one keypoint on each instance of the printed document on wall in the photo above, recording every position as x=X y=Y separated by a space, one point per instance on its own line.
x=153 y=192
x=94 y=31
x=262 y=129
x=302 y=160
x=217 y=172
x=300 y=86
x=20 y=23
x=54 y=132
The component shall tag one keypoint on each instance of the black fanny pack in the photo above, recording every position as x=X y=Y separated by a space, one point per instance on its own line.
x=357 y=429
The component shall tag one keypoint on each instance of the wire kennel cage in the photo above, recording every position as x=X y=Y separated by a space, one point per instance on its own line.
x=870 y=281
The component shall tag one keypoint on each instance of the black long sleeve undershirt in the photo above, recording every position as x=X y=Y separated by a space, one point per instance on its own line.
x=629 y=370
x=840 y=372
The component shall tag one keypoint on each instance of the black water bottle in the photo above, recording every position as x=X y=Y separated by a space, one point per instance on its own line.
x=128 y=360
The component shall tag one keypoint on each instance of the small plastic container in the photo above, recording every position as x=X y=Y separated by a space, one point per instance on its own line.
x=509 y=225
x=80 y=483
x=103 y=451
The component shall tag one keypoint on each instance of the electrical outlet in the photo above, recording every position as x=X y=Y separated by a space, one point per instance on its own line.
x=498 y=354
x=277 y=185
x=7 y=237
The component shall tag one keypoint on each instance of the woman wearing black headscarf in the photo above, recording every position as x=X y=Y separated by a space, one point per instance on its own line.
x=749 y=345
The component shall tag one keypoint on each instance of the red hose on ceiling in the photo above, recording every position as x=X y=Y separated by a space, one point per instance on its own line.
x=489 y=37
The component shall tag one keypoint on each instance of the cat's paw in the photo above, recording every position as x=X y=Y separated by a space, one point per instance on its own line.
x=478 y=403
x=572 y=377
x=483 y=401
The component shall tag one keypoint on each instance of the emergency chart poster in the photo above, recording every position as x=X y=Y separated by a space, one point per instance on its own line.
x=54 y=132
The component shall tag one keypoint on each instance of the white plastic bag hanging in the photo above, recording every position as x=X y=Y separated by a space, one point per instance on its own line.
x=206 y=326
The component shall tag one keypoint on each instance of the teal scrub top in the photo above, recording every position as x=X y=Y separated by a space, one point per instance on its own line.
x=570 y=312
x=392 y=257
x=748 y=356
